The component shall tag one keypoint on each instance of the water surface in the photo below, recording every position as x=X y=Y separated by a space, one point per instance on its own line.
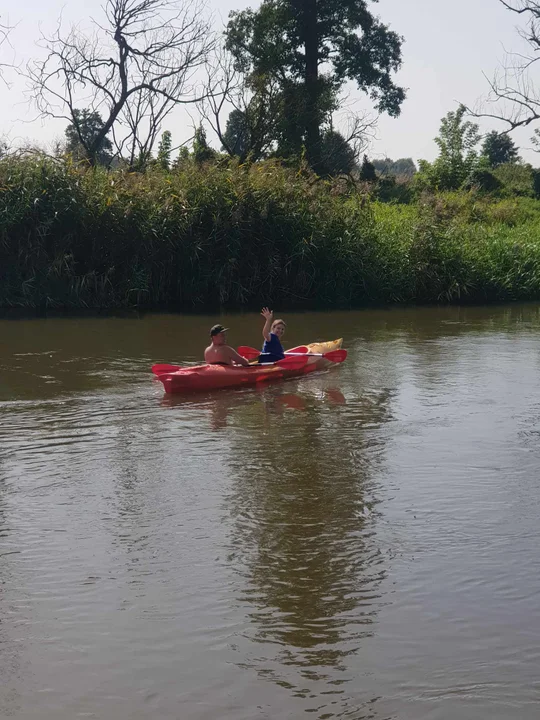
x=360 y=543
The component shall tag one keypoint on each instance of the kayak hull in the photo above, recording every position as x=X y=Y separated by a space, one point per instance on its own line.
x=217 y=377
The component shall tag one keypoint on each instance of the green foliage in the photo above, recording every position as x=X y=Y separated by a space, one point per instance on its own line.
x=291 y=40
x=164 y=151
x=390 y=190
x=240 y=235
x=517 y=178
x=458 y=157
x=402 y=168
x=237 y=135
x=483 y=180
x=367 y=171
x=80 y=136
x=499 y=149
x=536 y=182
x=202 y=152
x=255 y=131
x=337 y=156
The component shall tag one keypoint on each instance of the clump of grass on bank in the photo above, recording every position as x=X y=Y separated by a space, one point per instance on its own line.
x=224 y=234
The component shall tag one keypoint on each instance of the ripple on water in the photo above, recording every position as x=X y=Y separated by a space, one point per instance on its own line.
x=360 y=543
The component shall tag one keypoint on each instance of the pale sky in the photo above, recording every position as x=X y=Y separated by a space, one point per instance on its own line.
x=448 y=46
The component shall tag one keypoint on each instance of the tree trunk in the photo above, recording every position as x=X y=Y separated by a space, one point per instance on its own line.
x=311 y=49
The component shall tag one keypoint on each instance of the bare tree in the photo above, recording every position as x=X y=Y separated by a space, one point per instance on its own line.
x=252 y=104
x=133 y=70
x=514 y=91
x=361 y=130
x=5 y=31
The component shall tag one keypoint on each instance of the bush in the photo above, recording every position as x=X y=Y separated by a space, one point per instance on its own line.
x=516 y=178
x=483 y=180
x=390 y=190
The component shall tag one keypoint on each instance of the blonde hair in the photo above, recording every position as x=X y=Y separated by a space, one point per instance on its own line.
x=279 y=322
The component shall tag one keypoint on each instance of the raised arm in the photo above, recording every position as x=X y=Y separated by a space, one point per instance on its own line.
x=268 y=315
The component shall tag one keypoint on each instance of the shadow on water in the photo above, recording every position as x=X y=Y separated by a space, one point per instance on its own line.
x=303 y=511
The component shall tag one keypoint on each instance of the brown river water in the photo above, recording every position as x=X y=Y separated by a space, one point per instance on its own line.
x=359 y=543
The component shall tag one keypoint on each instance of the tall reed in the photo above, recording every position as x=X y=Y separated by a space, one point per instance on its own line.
x=233 y=235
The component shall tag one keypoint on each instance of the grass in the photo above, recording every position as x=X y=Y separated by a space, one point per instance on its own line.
x=230 y=235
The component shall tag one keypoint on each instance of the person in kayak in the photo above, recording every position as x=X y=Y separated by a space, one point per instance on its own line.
x=273 y=331
x=219 y=353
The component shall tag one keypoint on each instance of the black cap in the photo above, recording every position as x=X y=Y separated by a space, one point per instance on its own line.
x=217 y=329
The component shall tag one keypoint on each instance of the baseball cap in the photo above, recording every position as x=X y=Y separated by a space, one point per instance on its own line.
x=217 y=329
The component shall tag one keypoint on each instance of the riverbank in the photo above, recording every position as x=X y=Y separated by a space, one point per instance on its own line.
x=238 y=236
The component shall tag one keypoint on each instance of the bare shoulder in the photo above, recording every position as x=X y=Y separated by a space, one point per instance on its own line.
x=231 y=352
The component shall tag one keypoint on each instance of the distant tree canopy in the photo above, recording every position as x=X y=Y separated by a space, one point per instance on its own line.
x=82 y=132
x=458 y=156
x=499 y=149
x=403 y=167
x=311 y=48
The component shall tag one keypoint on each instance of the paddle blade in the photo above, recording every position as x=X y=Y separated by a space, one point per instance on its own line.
x=293 y=362
x=160 y=369
x=248 y=352
x=336 y=356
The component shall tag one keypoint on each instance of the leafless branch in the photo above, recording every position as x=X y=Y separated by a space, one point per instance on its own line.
x=513 y=91
x=361 y=129
x=255 y=100
x=5 y=30
x=139 y=63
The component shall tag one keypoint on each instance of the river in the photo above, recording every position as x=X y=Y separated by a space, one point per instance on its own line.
x=358 y=543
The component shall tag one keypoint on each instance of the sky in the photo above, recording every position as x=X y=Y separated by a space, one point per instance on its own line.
x=449 y=49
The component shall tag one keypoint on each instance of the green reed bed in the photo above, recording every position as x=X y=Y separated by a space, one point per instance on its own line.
x=224 y=234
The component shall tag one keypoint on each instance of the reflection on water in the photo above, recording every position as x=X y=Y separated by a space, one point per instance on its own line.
x=359 y=543
x=303 y=540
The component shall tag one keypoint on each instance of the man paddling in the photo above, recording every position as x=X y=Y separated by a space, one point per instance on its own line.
x=219 y=353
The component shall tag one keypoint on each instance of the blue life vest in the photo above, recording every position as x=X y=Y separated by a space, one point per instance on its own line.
x=272 y=350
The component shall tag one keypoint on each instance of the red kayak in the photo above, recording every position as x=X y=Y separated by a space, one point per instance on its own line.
x=214 y=377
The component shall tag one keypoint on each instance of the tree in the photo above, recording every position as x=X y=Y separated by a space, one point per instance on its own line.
x=202 y=152
x=337 y=156
x=312 y=48
x=516 y=178
x=135 y=67
x=401 y=168
x=5 y=31
x=404 y=167
x=237 y=137
x=499 y=149
x=513 y=92
x=457 y=141
x=164 y=151
x=81 y=133
x=484 y=180
x=256 y=102
x=367 y=171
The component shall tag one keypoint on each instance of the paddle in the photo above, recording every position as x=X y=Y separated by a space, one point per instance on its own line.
x=294 y=362
x=160 y=369
x=251 y=353
x=335 y=356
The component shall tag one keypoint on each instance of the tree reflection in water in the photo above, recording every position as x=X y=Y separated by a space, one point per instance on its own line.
x=303 y=535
